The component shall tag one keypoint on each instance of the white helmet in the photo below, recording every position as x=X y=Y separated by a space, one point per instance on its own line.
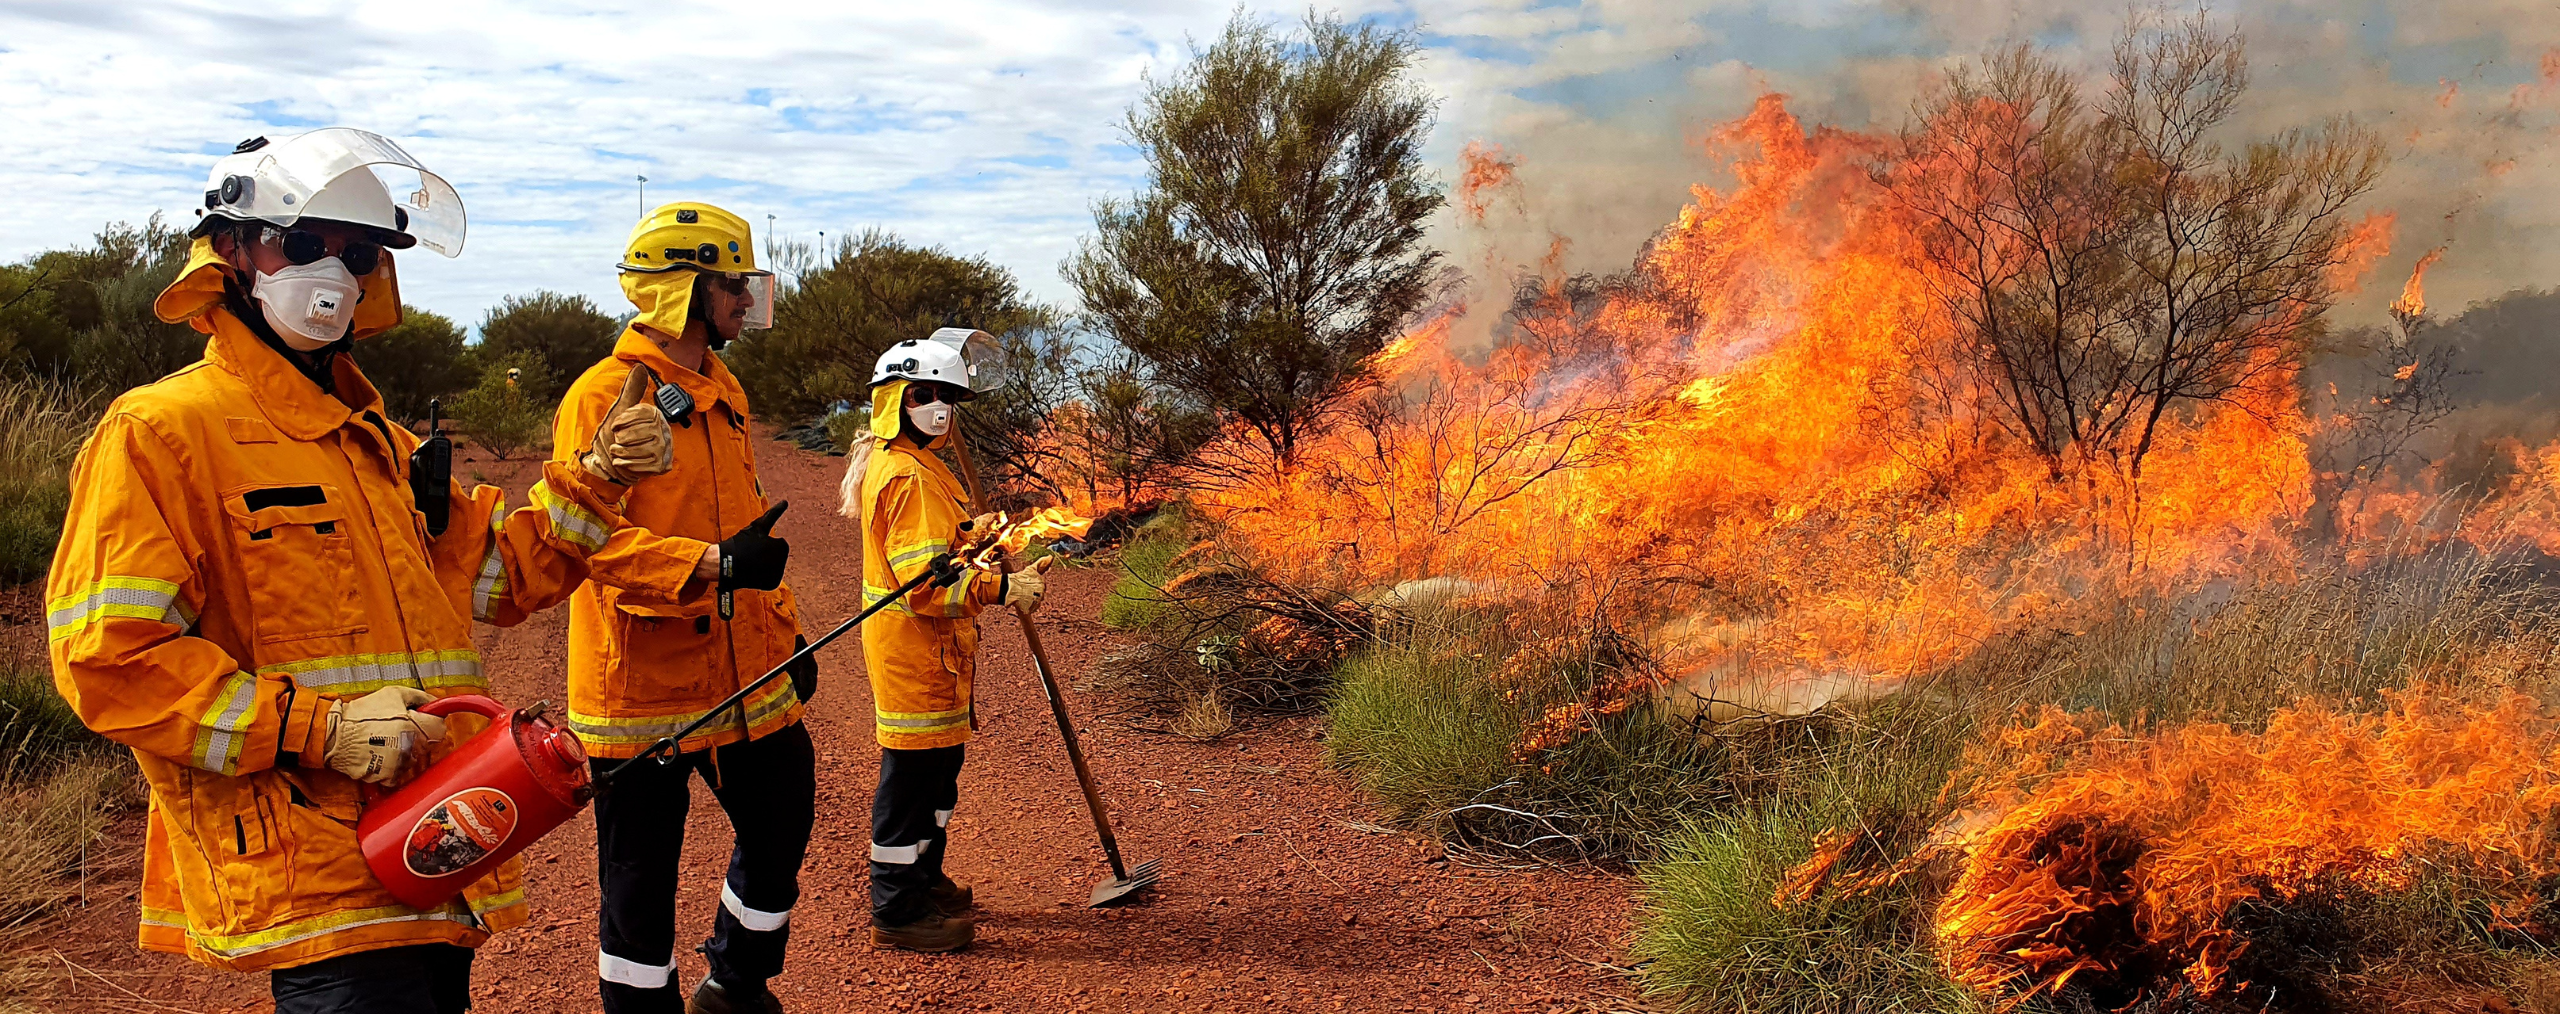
x=963 y=358
x=316 y=175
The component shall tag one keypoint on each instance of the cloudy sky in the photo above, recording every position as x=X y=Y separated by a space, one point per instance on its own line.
x=989 y=126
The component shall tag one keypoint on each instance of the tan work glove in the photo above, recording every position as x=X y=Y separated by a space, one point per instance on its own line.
x=634 y=441
x=380 y=736
x=1023 y=588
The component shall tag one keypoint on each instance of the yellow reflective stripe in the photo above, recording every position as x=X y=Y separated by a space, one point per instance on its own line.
x=569 y=520
x=164 y=917
x=141 y=598
x=646 y=729
x=918 y=551
x=503 y=899
x=491 y=587
x=910 y=721
x=223 y=728
x=871 y=594
x=244 y=944
x=360 y=674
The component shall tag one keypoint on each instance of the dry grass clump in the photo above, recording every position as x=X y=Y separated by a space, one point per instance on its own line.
x=42 y=425
x=61 y=789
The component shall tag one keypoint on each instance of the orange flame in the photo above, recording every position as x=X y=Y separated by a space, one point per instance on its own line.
x=2413 y=296
x=1486 y=171
x=2113 y=856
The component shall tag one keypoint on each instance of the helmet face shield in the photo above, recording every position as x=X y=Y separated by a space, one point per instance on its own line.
x=315 y=174
x=760 y=296
x=980 y=354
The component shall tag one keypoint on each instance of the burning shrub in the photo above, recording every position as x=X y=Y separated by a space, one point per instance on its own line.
x=2126 y=864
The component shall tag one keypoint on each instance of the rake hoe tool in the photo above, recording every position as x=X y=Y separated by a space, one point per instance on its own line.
x=1125 y=883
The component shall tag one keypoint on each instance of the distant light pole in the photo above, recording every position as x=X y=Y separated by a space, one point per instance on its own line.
x=644 y=196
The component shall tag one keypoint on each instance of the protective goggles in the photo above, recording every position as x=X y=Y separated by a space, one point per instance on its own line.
x=923 y=392
x=303 y=246
x=757 y=289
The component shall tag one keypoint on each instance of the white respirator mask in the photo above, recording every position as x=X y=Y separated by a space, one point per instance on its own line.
x=932 y=420
x=309 y=305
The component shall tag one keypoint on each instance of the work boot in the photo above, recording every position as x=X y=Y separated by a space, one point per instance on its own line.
x=713 y=998
x=932 y=934
x=951 y=897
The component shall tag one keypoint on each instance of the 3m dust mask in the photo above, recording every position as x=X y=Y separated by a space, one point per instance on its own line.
x=931 y=420
x=309 y=305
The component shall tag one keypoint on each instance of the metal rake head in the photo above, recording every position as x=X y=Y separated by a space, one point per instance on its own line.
x=1112 y=892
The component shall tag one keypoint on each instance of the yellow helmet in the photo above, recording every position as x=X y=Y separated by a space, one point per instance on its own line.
x=691 y=234
x=701 y=237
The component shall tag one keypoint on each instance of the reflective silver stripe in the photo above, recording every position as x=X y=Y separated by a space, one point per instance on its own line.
x=937 y=722
x=902 y=855
x=924 y=551
x=573 y=523
x=220 y=736
x=135 y=597
x=632 y=973
x=942 y=818
x=871 y=595
x=761 y=922
x=349 y=673
x=251 y=943
x=493 y=568
x=775 y=700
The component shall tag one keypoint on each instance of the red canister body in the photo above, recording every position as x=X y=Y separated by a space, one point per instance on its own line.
x=480 y=805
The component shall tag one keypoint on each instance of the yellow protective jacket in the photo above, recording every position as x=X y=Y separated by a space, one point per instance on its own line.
x=648 y=652
x=922 y=651
x=241 y=549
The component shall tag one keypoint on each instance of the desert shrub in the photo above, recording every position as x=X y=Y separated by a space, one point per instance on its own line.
x=565 y=333
x=502 y=415
x=1137 y=600
x=42 y=425
x=421 y=360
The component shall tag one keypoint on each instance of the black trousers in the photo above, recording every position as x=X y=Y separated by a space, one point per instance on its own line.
x=910 y=828
x=417 y=979
x=769 y=789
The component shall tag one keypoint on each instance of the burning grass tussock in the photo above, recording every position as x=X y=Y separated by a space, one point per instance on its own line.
x=2132 y=863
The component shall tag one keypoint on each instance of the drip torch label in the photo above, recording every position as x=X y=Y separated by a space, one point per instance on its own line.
x=460 y=830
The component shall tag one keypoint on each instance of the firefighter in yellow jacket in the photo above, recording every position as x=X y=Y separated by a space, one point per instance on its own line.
x=257 y=585
x=922 y=651
x=680 y=611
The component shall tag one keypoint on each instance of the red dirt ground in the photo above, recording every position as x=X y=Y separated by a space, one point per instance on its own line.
x=1280 y=892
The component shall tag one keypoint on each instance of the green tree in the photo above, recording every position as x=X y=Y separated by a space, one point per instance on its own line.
x=853 y=302
x=565 y=332
x=420 y=360
x=503 y=415
x=1279 y=243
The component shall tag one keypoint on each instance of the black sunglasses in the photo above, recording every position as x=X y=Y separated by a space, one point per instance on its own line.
x=303 y=246
x=928 y=393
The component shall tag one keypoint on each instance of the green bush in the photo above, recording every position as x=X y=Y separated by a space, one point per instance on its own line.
x=1137 y=601
x=501 y=415
x=566 y=334
x=42 y=426
x=1712 y=935
x=419 y=361
x=1434 y=725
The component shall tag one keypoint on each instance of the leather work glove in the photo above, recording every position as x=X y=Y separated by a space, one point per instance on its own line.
x=1023 y=588
x=378 y=737
x=633 y=442
x=753 y=558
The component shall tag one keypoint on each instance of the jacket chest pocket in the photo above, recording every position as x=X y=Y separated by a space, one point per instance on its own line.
x=298 y=559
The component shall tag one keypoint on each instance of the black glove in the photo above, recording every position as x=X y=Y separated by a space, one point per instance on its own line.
x=804 y=673
x=753 y=558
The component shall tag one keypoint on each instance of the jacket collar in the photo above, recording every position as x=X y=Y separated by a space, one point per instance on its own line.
x=932 y=464
x=290 y=400
x=714 y=384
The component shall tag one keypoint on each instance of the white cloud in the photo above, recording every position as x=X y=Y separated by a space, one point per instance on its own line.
x=989 y=126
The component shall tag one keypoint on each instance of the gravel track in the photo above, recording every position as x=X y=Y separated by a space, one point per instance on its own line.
x=1280 y=891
